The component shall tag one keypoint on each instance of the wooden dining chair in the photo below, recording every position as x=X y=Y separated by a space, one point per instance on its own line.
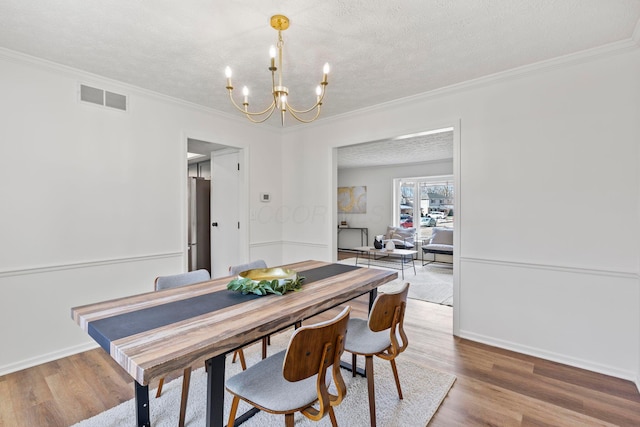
x=382 y=335
x=174 y=281
x=297 y=378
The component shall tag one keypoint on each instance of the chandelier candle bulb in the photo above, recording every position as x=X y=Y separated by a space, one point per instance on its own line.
x=325 y=72
x=272 y=54
x=227 y=72
x=245 y=92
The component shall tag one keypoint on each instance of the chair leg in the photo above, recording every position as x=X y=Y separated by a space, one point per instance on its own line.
x=240 y=354
x=354 y=366
x=371 y=387
x=395 y=375
x=332 y=415
x=288 y=420
x=160 y=384
x=233 y=411
x=186 y=379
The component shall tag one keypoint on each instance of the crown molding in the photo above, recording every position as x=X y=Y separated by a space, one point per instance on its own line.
x=588 y=55
x=90 y=78
x=615 y=48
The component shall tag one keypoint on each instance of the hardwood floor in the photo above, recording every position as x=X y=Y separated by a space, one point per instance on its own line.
x=494 y=387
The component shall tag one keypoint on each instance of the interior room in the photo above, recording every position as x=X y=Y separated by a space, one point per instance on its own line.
x=101 y=101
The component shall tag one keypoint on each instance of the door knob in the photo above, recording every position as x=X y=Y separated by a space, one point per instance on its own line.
x=214 y=224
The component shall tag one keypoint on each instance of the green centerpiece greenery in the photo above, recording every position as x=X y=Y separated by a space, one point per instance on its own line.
x=263 y=287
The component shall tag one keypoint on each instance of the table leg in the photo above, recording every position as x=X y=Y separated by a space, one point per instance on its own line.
x=142 y=405
x=373 y=293
x=215 y=391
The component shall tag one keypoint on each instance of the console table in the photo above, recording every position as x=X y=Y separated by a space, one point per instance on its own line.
x=364 y=235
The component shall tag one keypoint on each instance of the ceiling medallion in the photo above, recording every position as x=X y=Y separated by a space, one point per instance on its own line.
x=280 y=93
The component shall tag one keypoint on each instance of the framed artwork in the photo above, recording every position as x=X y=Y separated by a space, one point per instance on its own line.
x=352 y=199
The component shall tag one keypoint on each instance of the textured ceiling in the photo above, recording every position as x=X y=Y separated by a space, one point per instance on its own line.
x=379 y=50
x=426 y=148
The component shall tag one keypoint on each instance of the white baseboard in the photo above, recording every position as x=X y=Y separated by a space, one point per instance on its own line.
x=555 y=357
x=44 y=358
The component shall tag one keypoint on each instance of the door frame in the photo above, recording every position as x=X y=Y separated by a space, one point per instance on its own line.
x=243 y=197
x=456 y=124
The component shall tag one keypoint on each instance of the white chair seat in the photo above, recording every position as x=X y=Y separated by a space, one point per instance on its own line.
x=264 y=385
x=361 y=340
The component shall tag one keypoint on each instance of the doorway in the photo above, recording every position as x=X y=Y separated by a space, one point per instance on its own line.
x=432 y=153
x=212 y=216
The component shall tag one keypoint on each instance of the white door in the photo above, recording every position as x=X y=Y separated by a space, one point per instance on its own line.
x=225 y=212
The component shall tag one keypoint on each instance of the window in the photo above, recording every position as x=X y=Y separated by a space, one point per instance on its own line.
x=424 y=203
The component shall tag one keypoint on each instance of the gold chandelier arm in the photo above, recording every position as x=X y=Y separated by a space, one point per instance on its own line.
x=316 y=105
x=251 y=119
x=269 y=109
x=295 y=116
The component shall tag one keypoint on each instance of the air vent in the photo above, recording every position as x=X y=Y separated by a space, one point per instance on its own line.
x=103 y=97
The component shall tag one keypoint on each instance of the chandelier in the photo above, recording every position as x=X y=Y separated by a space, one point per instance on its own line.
x=280 y=93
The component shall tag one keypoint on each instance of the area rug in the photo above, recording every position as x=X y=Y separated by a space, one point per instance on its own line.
x=431 y=283
x=423 y=389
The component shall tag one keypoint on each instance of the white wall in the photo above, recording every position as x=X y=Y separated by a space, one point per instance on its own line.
x=542 y=151
x=94 y=200
x=75 y=229
x=380 y=205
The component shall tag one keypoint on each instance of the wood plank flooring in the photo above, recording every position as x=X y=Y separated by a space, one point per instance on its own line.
x=494 y=387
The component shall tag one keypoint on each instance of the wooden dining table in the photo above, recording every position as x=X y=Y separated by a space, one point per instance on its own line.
x=157 y=333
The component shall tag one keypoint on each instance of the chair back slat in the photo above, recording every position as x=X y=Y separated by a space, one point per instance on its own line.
x=306 y=351
x=183 y=279
x=384 y=309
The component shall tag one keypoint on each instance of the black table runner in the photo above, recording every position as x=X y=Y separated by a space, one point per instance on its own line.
x=103 y=331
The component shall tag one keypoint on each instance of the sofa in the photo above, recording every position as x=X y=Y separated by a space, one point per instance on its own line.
x=402 y=238
x=441 y=243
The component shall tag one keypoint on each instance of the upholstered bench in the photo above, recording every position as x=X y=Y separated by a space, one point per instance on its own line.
x=441 y=243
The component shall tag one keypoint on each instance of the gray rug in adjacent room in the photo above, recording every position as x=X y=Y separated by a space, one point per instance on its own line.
x=431 y=283
x=423 y=389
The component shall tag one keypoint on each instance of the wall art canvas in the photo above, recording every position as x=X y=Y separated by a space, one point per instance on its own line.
x=352 y=199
